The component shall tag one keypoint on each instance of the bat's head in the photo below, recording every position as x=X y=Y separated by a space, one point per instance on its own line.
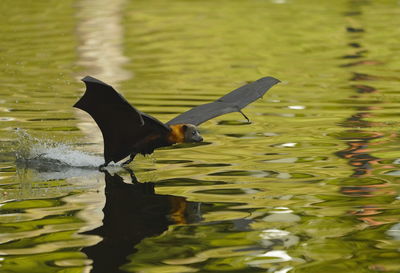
x=191 y=134
x=181 y=133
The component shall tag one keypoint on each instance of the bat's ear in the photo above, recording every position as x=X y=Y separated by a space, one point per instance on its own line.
x=184 y=127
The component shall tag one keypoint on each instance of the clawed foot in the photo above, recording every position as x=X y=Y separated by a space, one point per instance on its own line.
x=131 y=157
x=102 y=167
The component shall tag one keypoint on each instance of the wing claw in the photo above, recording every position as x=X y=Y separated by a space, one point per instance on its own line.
x=248 y=120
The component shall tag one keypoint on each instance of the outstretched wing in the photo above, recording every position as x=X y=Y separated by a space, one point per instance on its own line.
x=231 y=102
x=121 y=124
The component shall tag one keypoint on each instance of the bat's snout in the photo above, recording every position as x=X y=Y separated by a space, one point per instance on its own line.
x=199 y=139
x=196 y=137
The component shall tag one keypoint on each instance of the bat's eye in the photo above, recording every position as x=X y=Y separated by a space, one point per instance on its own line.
x=194 y=133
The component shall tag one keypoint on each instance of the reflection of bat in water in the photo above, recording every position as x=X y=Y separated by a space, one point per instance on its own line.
x=127 y=131
x=133 y=212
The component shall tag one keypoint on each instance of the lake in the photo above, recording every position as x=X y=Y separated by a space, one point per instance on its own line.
x=310 y=185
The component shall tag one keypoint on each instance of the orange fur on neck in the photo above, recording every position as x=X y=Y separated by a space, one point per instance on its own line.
x=177 y=134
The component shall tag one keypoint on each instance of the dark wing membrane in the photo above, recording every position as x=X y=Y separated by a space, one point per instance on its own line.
x=121 y=124
x=231 y=102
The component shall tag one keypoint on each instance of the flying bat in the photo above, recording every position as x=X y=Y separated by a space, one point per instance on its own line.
x=128 y=131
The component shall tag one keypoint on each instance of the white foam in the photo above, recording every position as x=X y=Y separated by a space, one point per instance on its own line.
x=65 y=154
x=45 y=151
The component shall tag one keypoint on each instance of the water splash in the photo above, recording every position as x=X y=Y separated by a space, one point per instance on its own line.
x=47 y=154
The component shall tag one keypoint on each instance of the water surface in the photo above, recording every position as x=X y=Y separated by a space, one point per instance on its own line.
x=309 y=186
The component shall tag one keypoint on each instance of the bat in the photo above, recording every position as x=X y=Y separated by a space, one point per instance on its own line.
x=128 y=131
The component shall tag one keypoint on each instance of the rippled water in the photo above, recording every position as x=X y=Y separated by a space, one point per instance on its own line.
x=311 y=185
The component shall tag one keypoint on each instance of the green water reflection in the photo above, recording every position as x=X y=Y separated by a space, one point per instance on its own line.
x=309 y=186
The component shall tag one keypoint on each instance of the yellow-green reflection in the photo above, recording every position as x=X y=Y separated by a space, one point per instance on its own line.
x=309 y=186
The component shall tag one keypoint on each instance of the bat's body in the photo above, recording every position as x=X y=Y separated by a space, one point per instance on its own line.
x=127 y=131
